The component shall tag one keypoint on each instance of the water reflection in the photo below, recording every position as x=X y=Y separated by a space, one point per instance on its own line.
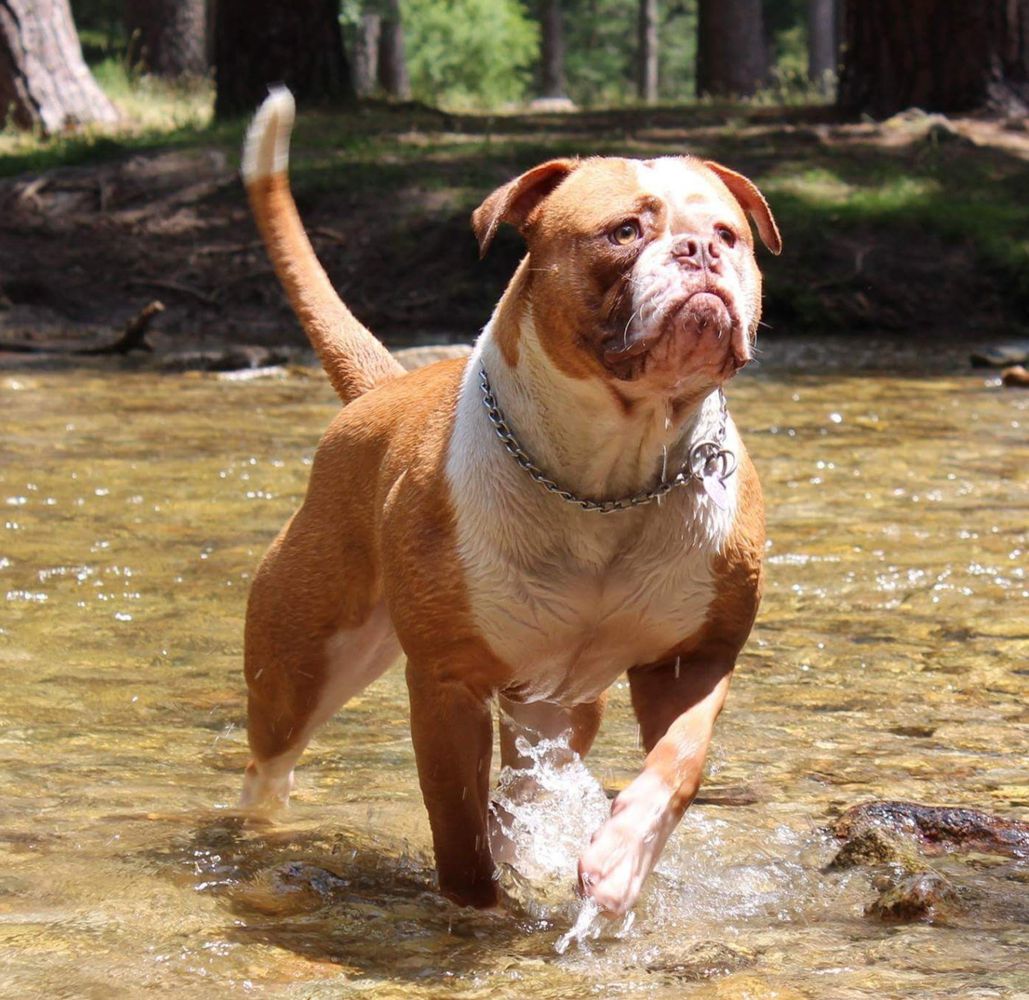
x=889 y=662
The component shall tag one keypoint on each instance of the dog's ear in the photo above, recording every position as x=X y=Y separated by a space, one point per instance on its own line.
x=753 y=203
x=515 y=201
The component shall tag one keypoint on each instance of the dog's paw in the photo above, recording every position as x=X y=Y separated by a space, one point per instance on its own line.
x=624 y=851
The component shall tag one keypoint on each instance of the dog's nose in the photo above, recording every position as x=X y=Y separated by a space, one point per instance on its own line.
x=699 y=252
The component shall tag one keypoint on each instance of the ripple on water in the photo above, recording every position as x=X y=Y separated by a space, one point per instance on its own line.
x=888 y=662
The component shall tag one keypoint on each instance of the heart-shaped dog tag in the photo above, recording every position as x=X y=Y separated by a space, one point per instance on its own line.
x=715 y=488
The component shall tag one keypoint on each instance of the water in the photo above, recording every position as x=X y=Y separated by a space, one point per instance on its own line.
x=889 y=661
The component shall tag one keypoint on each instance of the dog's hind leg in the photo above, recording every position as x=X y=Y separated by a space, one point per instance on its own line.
x=297 y=679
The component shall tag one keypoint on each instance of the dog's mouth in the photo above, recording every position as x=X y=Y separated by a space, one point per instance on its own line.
x=701 y=329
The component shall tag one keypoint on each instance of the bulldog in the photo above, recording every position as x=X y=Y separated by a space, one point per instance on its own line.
x=569 y=504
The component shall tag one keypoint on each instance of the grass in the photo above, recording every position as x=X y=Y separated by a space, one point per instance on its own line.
x=831 y=197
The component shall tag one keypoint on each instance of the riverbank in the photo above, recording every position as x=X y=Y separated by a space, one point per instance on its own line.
x=914 y=227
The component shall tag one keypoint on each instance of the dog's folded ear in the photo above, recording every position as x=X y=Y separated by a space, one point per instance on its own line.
x=516 y=200
x=753 y=203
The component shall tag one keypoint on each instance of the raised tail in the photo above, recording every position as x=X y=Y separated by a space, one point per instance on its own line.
x=351 y=356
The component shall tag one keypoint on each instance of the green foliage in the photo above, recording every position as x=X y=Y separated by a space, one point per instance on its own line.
x=469 y=53
x=601 y=61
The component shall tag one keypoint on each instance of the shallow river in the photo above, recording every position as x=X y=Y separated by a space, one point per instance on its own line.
x=889 y=661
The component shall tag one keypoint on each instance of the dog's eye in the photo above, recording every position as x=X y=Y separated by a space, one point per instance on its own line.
x=626 y=233
x=727 y=236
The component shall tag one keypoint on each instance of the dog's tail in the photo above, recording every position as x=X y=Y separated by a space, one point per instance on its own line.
x=353 y=359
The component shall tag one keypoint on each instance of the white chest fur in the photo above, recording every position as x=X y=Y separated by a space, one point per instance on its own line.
x=567 y=598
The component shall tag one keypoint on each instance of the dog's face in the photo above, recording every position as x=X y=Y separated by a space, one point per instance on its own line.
x=642 y=272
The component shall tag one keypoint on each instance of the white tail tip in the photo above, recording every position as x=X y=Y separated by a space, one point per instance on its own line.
x=266 y=147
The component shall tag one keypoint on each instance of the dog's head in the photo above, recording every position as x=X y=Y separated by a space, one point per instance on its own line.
x=640 y=272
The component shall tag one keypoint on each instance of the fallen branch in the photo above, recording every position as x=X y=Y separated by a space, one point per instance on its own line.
x=132 y=338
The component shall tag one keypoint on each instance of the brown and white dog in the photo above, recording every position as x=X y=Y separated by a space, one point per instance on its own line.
x=421 y=534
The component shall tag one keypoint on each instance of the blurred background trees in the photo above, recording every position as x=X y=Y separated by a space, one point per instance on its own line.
x=44 y=81
x=495 y=54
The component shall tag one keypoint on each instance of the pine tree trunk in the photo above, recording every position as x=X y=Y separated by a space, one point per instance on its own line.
x=44 y=81
x=552 y=52
x=261 y=42
x=168 y=37
x=732 y=58
x=938 y=55
x=393 y=74
x=366 y=55
x=647 y=52
x=823 y=41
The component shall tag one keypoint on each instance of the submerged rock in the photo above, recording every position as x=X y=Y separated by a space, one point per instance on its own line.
x=935 y=829
x=923 y=896
x=291 y=887
x=703 y=961
x=873 y=846
x=895 y=837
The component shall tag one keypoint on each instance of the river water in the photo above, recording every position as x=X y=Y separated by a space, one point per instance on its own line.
x=889 y=661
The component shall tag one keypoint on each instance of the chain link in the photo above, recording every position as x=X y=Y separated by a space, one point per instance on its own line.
x=706 y=458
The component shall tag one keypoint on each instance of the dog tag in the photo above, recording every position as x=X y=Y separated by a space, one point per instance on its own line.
x=715 y=488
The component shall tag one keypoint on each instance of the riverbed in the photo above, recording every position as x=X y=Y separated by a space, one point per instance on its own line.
x=890 y=661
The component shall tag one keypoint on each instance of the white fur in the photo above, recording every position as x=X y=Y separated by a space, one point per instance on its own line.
x=266 y=147
x=354 y=658
x=570 y=599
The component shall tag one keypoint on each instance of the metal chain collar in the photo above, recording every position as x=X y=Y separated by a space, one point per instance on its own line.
x=708 y=462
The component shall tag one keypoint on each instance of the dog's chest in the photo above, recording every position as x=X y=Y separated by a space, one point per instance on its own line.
x=568 y=601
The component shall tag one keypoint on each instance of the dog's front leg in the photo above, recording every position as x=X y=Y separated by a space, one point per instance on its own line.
x=452 y=731
x=676 y=704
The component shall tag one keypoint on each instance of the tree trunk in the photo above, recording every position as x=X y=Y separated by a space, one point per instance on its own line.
x=732 y=57
x=44 y=81
x=938 y=55
x=366 y=55
x=168 y=37
x=260 y=42
x=552 y=53
x=647 y=52
x=393 y=74
x=823 y=41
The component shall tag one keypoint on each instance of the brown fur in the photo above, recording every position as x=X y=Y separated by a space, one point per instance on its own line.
x=377 y=525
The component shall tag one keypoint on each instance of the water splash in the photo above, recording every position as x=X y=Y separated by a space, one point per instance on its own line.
x=548 y=811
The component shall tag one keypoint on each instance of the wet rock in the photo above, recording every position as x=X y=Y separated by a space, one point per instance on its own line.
x=870 y=847
x=703 y=961
x=417 y=357
x=1016 y=376
x=226 y=359
x=924 y=896
x=935 y=829
x=292 y=887
x=1000 y=355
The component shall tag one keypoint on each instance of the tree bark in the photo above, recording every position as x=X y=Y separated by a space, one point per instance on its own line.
x=552 y=54
x=168 y=37
x=393 y=75
x=732 y=57
x=647 y=52
x=261 y=42
x=366 y=54
x=938 y=55
x=44 y=81
x=823 y=41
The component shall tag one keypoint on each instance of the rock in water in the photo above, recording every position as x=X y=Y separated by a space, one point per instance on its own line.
x=924 y=896
x=936 y=829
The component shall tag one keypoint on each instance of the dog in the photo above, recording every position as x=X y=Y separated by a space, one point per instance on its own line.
x=569 y=504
